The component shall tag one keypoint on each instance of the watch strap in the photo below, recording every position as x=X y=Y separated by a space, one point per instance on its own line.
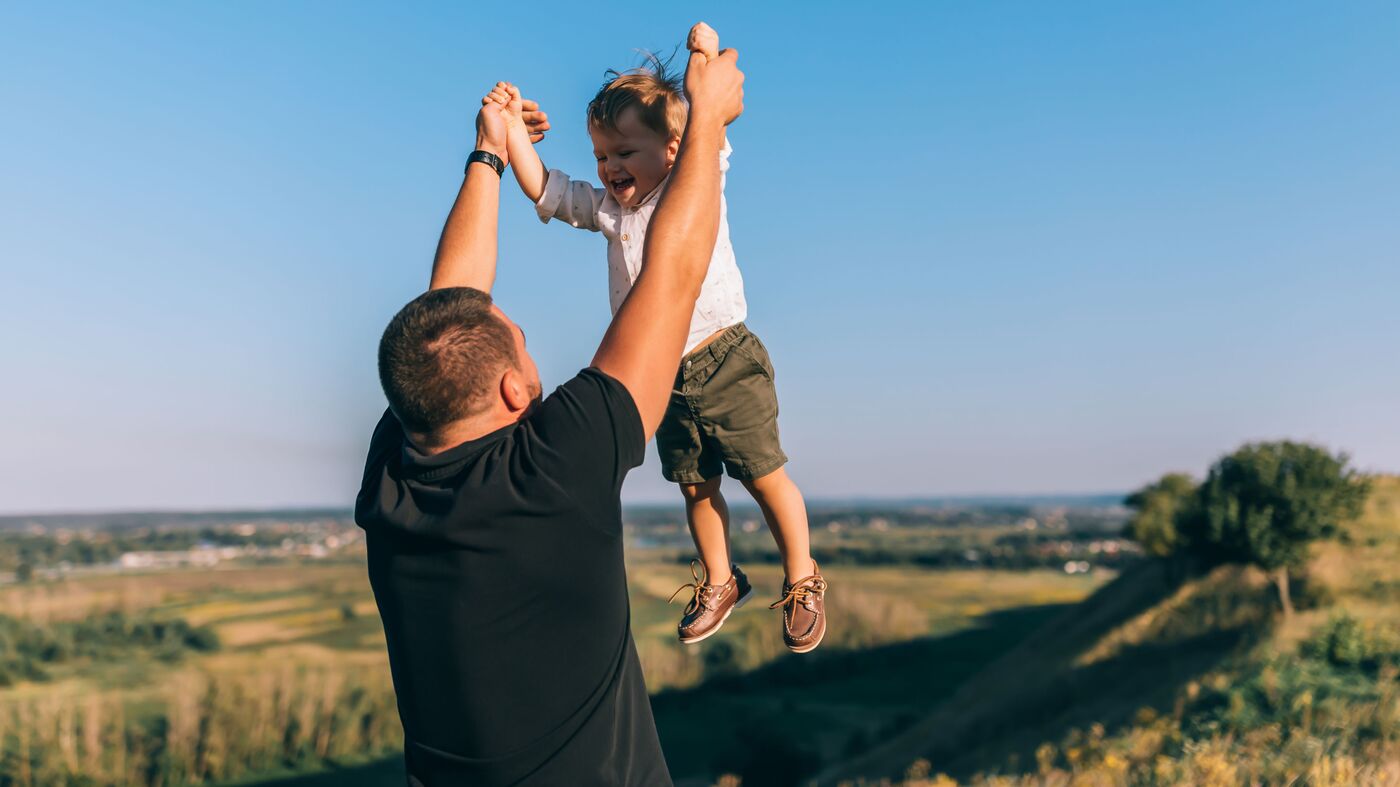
x=486 y=157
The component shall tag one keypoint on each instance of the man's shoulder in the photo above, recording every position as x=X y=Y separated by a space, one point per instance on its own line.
x=591 y=390
x=387 y=437
x=589 y=429
x=385 y=449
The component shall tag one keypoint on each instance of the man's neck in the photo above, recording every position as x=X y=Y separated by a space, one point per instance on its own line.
x=464 y=431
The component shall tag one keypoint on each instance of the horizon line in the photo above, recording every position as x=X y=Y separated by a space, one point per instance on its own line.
x=811 y=503
x=818 y=502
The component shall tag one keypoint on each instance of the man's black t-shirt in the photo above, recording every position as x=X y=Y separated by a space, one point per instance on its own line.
x=497 y=566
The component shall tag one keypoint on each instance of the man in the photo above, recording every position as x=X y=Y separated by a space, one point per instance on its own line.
x=493 y=517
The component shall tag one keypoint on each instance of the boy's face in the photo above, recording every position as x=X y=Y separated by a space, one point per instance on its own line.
x=632 y=159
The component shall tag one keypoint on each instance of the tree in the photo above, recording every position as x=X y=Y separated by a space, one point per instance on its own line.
x=24 y=572
x=1267 y=502
x=1157 y=508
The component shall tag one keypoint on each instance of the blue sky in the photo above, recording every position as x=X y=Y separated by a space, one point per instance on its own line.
x=993 y=247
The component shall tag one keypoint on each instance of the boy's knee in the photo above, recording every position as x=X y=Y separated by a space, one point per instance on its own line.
x=768 y=483
x=701 y=491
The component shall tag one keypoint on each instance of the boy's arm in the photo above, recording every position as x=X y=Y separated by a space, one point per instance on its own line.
x=525 y=162
x=466 y=253
x=556 y=195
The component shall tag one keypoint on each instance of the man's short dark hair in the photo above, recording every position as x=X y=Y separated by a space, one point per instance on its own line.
x=440 y=357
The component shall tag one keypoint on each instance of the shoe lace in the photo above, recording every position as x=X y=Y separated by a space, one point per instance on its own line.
x=702 y=590
x=800 y=592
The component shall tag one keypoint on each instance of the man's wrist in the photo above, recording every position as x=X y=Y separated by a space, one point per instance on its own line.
x=703 y=130
x=499 y=150
x=488 y=158
x=706 y=119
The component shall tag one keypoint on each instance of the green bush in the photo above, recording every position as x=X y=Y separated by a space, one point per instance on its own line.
x=1157 y=508
x=26 y=647
x=1345 y=642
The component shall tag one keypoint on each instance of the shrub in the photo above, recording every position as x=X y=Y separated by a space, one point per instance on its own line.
x=1346 y=642
x=1157 y=509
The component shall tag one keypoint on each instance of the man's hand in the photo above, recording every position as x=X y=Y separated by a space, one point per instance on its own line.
x=715 y=86
x=536 y=121
x=703 y=39
x=491 y=129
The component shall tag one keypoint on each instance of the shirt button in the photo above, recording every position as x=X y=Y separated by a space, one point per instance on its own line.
x=625 y=236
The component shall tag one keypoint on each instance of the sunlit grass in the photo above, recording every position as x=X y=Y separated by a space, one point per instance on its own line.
x=1310 y=701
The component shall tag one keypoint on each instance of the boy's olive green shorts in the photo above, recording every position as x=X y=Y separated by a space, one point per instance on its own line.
x=723 y=411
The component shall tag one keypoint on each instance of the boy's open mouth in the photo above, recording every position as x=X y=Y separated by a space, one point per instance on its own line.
x=622 y=183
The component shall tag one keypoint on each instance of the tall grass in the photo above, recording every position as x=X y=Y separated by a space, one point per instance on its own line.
x=1327 y=716
x=205 y=727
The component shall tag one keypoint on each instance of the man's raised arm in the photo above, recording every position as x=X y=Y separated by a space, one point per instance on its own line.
x=642 y=348
x=466 y=253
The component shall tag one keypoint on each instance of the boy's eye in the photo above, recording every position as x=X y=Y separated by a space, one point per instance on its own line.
x=625 y=154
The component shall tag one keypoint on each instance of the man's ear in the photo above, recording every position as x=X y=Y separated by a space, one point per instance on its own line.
x=514 y=391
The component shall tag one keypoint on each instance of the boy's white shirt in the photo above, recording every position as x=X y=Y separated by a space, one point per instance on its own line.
x=583 y=205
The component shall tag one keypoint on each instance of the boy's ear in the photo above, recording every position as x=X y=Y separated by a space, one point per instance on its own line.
x=673 y=147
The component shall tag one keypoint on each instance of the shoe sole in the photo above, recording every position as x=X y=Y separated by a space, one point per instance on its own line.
x=811 y=647
x=744 y=599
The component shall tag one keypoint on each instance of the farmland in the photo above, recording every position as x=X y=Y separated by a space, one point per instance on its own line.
x=293 y=679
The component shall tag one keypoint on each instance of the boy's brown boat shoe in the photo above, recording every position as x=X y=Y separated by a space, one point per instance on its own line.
x=804 y=612
x=710 y=605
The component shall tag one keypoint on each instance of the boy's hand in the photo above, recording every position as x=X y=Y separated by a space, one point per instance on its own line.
x=703 y=39
x=519 y=113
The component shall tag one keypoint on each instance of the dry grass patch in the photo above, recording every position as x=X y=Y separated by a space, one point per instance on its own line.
x=216 y=611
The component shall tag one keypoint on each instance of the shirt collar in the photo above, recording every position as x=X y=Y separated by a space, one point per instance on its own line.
x=432 y=467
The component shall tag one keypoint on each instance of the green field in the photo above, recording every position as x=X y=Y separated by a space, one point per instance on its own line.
x=299 y=684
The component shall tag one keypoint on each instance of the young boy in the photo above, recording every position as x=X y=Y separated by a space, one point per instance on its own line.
x=724 y=408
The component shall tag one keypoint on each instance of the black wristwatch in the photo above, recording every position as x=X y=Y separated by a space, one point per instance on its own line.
x=486 y=157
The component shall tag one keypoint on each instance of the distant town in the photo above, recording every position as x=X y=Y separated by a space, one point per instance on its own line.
x=1076 y=535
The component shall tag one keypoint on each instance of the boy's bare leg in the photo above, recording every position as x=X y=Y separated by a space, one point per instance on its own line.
x=708 y=517
x=786 y=514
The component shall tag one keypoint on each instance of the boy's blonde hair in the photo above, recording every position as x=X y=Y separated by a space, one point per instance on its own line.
x=655 y=93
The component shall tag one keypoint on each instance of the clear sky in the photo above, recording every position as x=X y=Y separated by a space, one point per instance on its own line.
x=993 y=247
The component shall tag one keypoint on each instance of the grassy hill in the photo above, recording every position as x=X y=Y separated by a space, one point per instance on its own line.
x=1164 y=677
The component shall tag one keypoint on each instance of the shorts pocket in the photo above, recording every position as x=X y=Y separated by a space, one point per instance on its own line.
x=753 y=349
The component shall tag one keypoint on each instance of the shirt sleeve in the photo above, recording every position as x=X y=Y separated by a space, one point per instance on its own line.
x=375 y=485
x=586 y=436
x=571 y=201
